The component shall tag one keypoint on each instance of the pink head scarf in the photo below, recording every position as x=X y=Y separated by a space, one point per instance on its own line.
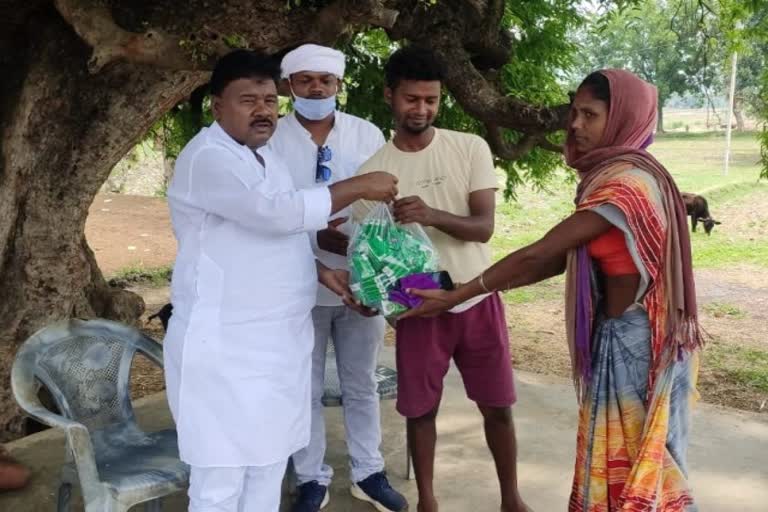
x=631 y=121
x=628 y=131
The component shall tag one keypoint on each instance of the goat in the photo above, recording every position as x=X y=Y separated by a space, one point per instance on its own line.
x=164 y=315
x=696 y=206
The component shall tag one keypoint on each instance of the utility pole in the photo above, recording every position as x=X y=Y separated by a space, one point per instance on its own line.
x=730 y=115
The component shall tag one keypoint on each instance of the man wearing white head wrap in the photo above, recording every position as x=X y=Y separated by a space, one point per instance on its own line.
x=312 y=57
x=321 y=145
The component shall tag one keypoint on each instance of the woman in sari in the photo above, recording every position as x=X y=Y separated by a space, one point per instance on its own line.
x=630 y=303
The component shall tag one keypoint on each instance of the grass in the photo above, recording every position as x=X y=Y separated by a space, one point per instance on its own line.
x=136 y=274
x=721 y=310
x=744 y=366
x=695 y=160
x=740 y=240
x=695 y=120
x=548 y=290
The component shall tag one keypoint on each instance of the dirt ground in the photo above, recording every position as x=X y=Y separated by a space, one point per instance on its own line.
x=132 y=232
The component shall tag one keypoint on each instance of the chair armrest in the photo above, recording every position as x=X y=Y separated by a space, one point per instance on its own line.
x=152 y=349
x=45 y=416
x=25 y=394
x=78 y=437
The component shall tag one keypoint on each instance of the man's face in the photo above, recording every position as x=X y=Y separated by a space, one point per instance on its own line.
x=312 y=85
x=415 y=104
x=247 y=110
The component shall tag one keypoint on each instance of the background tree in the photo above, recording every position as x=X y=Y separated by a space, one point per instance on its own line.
x=84 y=80
x=744 y=28
x=750 y=81
x=665 y=43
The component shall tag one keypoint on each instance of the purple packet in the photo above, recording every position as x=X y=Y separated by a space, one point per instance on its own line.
x=422 y=281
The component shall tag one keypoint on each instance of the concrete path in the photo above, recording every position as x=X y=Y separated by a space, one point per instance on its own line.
x=728 y=454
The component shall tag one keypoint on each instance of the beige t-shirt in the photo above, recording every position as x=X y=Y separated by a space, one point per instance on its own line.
x=443 y=174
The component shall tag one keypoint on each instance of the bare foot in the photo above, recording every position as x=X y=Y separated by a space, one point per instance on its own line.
x=520 y=506
x=427 y=506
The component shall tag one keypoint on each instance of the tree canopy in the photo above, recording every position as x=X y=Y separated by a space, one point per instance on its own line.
x=85 y=80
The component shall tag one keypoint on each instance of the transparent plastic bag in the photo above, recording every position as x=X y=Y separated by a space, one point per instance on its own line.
x=381 y=252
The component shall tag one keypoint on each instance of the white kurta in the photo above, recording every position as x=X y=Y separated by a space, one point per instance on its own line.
x=352 y=141
x=237 y=352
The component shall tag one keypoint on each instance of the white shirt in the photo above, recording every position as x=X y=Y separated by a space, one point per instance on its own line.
x=238 y=348
x=352 y=141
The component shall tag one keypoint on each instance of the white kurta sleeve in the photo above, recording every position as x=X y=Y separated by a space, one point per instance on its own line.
x=313 y=241
x=221 y=184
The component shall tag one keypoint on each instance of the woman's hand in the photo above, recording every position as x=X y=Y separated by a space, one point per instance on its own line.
x=435 y=302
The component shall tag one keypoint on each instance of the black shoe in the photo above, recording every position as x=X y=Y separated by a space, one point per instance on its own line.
x=312 y=497
x=376 y=490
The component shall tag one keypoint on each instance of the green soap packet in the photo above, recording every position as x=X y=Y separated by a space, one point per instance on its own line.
x=362 y=266
x=377 y=248
x=384 y=283
x=395 y=272
x=389 y=308
x=370 y=291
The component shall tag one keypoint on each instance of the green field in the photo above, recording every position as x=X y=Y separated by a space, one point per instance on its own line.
x=696 y=162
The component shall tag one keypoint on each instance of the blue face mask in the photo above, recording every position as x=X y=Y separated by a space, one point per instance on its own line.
x=314 y=109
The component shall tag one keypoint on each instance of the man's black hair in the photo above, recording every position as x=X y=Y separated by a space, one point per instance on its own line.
x=412 y=63
x=242 y=64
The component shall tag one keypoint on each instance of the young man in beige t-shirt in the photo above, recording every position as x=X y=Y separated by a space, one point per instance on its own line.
x=448 y=183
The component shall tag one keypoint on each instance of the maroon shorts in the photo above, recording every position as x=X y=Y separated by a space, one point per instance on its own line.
x=477 y=341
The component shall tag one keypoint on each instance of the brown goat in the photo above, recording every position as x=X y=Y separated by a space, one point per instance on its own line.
x=696 y=206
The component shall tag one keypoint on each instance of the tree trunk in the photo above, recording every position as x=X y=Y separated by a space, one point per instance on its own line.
x=660 y=117
x=63 y=129
x=738 y=112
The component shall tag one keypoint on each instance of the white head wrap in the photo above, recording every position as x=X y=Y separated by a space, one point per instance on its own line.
x=311 y=57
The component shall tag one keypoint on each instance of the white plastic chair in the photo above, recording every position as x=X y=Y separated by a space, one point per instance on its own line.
x=86 y=367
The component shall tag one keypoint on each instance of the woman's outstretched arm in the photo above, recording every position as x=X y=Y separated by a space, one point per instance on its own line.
x=536 y=262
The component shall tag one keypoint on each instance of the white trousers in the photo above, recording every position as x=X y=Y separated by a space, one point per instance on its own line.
x=236 y=489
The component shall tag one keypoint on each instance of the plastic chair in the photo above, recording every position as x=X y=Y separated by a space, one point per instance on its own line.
x=86 y=367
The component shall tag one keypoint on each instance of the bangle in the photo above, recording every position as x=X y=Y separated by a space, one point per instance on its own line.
x=482 y=283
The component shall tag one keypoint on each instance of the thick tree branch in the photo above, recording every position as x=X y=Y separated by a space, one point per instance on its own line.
x=338 y=17
x=490 y=49
x=372 y=12
x=545 y=144
x=93 y=22
x=505 y=149
x=513 y=151
x=484 y=102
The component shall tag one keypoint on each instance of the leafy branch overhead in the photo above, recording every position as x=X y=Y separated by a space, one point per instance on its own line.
x=473 y=38
x=505 y=61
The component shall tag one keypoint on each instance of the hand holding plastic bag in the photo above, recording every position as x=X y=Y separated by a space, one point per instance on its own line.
x=381 y=253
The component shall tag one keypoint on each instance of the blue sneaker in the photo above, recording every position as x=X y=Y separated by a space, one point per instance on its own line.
x=376 y=490
x=312 y=497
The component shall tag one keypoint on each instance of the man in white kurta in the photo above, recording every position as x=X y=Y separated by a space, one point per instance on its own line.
x=320 y=146
x=238 y=347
